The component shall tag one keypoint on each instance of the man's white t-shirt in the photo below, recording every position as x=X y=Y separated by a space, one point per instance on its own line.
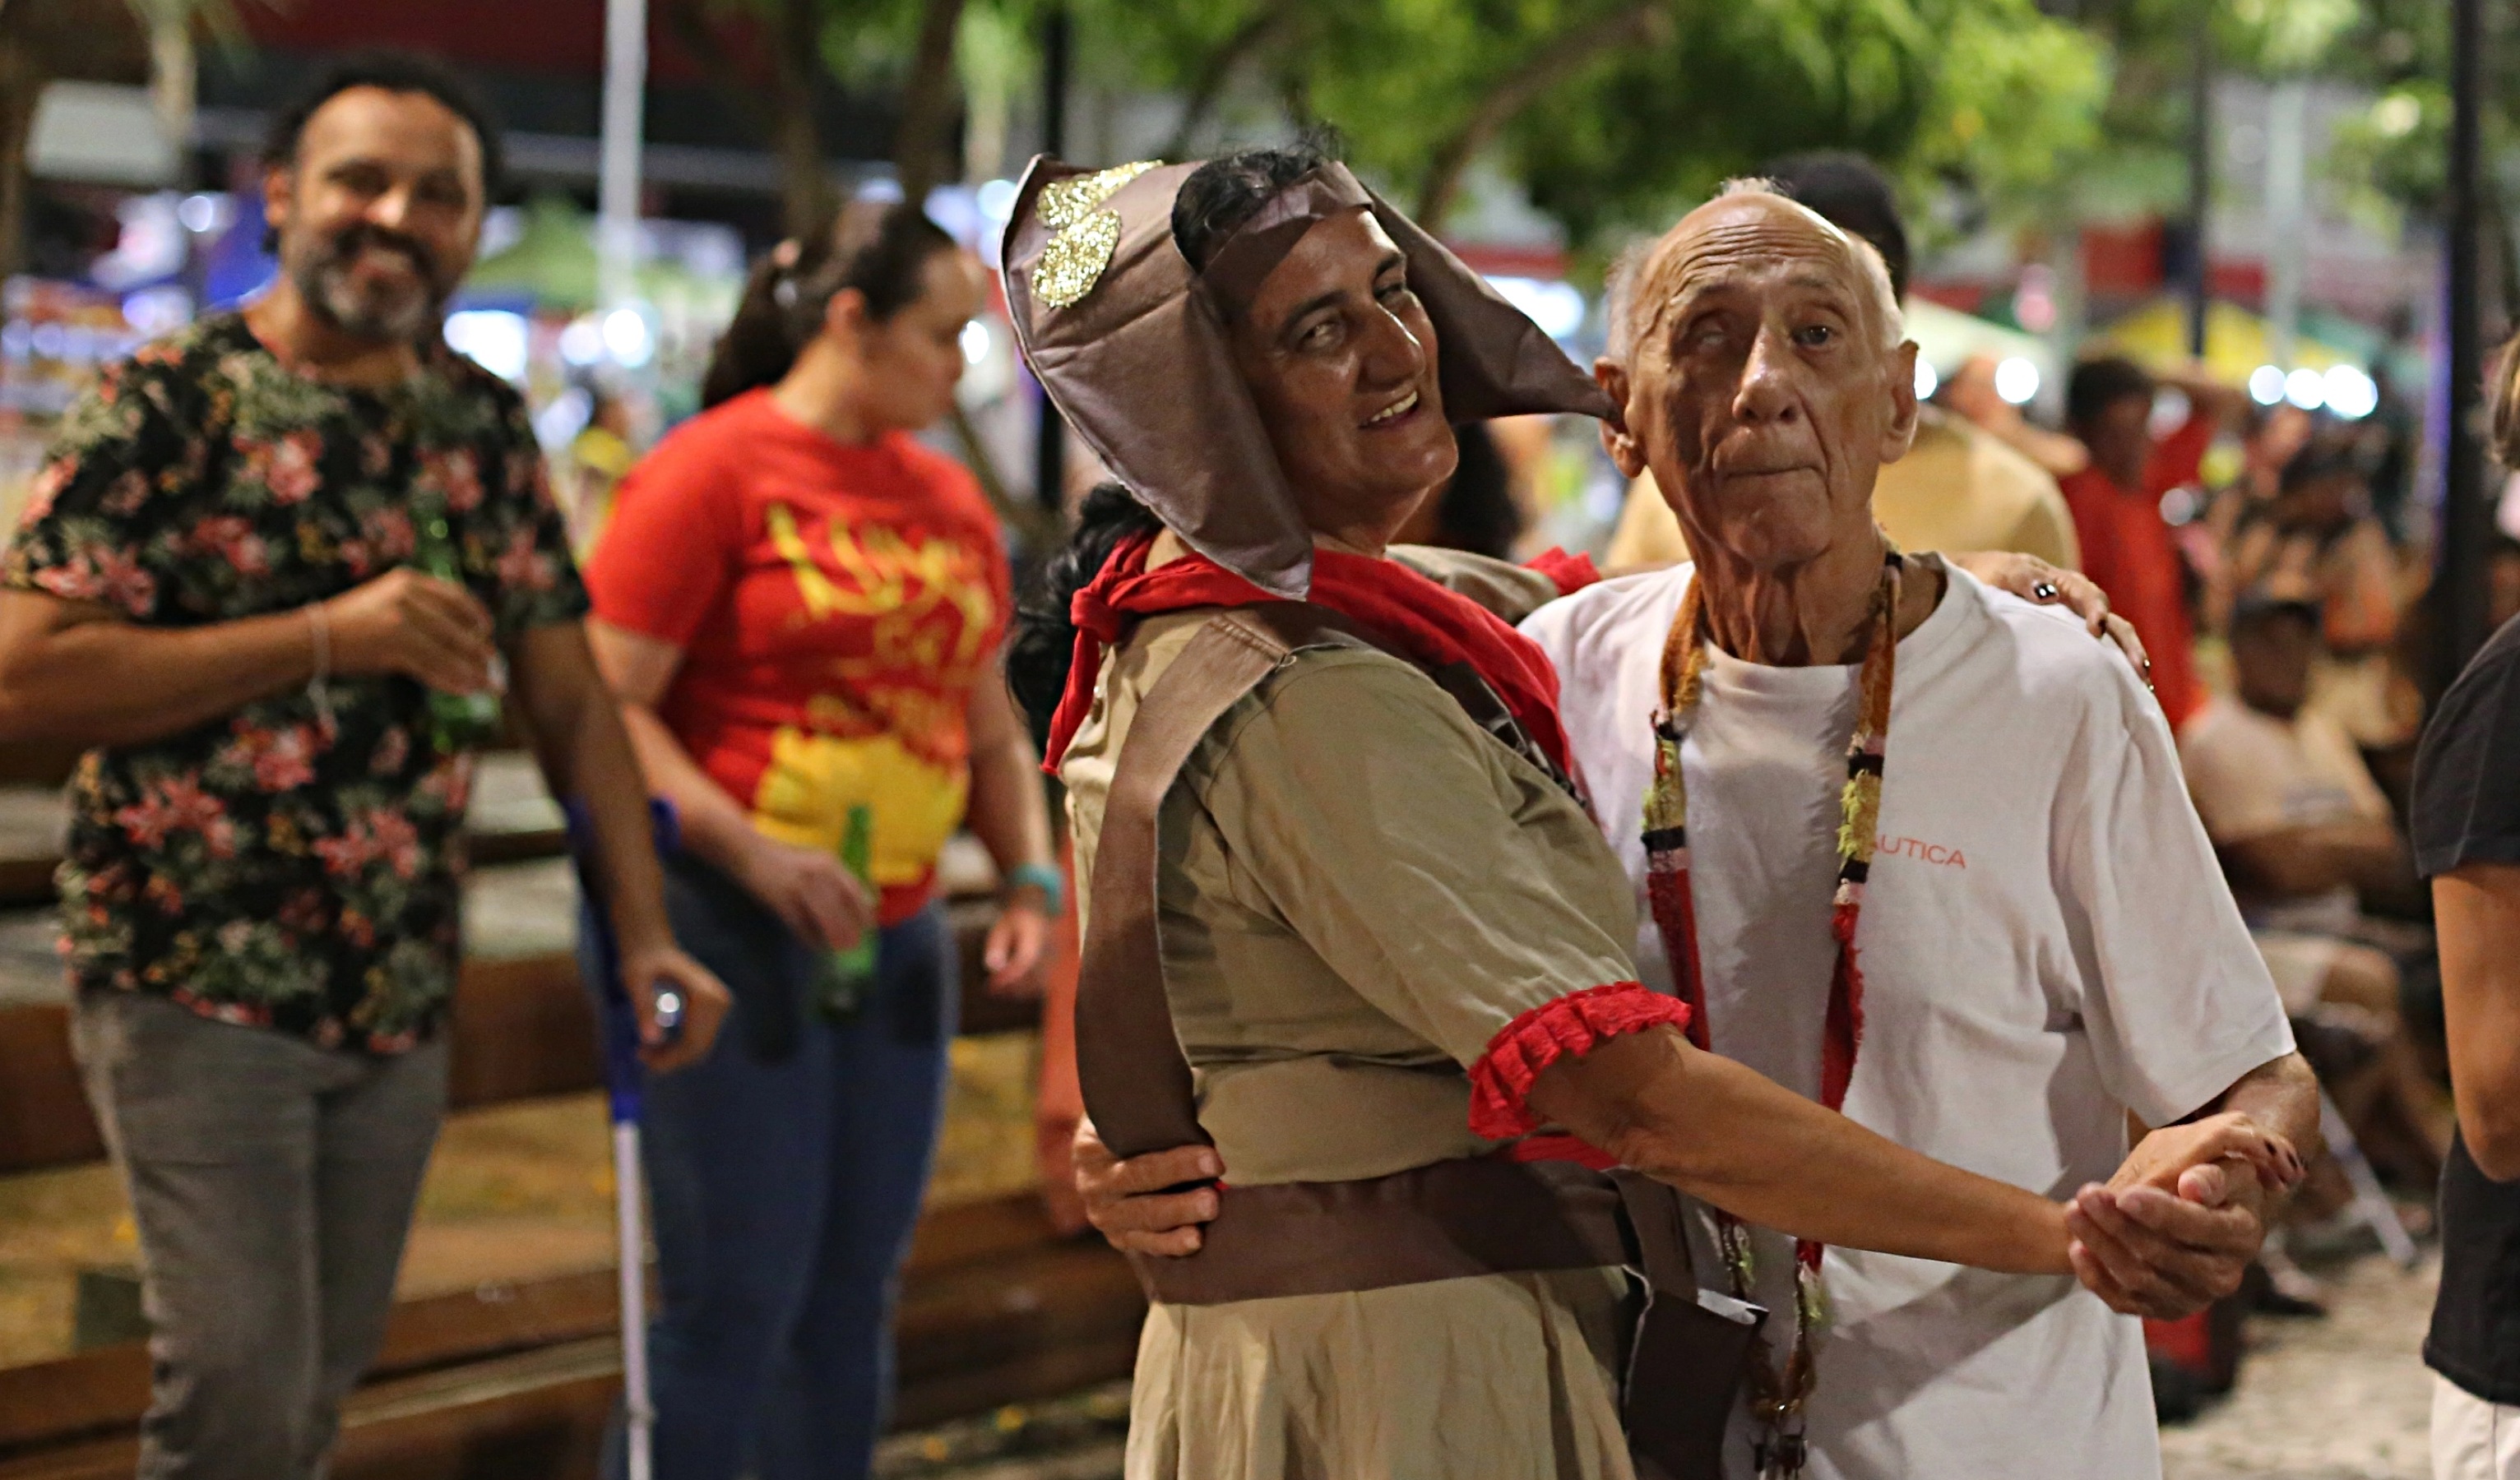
x=2046 y=943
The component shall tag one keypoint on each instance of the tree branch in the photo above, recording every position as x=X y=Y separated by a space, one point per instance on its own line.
x=796 y=60
x=1541 y=70
x=1260 y=30
x=725 y=76
x=927 y=98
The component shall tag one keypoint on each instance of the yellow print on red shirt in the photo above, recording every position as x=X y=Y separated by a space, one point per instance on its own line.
x=890 y=733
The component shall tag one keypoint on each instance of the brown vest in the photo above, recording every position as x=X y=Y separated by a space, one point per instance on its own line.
x=1477 y=1216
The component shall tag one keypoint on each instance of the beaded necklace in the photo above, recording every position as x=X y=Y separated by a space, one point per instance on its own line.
x=1777 y=1397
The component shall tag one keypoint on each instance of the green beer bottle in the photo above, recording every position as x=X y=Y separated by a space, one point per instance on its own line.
x=842 y=985
x=457 y=722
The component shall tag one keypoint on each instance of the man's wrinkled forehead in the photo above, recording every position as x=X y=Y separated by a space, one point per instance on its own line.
x=1740 y=235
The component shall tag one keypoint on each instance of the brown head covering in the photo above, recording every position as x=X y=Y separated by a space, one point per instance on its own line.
x=1131 y=344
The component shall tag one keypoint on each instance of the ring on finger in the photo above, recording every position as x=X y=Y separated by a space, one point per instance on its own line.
x=2046 y=591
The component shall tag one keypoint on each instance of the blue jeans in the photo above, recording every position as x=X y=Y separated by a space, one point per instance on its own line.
x=786 y=1172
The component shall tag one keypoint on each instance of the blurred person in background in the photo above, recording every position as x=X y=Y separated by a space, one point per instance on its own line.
x=800 y=609
x=2318 y=536
x=2270 y=440
x=2305 y=838
x=2466 y=823
x=266 y=554
x=2395 y=433
x=2270 y=437
x=1958 y=488
x=1972 y=392
x=597 y=458
x=2116 y=501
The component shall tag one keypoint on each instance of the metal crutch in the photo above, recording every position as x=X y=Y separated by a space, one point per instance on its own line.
x=624 y=1080
x=2372 y=1203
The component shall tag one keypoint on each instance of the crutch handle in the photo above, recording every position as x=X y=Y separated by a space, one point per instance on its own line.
x=622 y=1071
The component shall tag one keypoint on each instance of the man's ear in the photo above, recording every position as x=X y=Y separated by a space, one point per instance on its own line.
x=1616 y=439
x=1901 y=433
x=279 y=186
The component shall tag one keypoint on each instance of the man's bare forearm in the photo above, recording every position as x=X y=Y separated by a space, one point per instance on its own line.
x=74 y=674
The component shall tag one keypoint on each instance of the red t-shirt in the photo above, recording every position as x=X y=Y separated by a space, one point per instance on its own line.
x=2128 y=549
x=834 y=606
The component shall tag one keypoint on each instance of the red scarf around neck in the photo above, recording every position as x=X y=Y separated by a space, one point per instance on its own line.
x=1430 y=623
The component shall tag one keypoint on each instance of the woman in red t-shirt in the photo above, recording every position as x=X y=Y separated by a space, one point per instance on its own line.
x=800 y=609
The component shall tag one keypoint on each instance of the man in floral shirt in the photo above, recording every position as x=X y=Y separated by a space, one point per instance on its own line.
x=224 y=584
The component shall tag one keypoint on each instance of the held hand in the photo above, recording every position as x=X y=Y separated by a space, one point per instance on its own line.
x=664 y=968
x=812 y=891
x=2148 y=1252
x=2176 y=1228
x=2163 y=1158
x=1127 y=1201
x=1015 y=946
x=404 y=622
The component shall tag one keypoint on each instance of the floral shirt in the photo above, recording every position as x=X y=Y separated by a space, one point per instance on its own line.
x=276 y=866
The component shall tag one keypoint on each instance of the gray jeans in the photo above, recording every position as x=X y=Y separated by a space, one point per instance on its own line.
x=272 y=1182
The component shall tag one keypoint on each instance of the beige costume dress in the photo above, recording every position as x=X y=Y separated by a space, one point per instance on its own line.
x=1358 y=889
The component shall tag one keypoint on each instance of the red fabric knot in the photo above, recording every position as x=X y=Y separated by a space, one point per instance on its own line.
x=1570 y=573
x=1089 y=612
x=1432 y=625
x=1575 y=1024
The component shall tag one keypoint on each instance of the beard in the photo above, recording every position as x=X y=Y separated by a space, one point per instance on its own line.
x=393 y=312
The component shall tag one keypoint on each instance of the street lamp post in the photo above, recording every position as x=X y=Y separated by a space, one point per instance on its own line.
x=2201 y=181
x=2467 y=515
x=1050 y=446
x=616 y=211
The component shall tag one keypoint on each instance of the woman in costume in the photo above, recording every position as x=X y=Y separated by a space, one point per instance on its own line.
x=1325 y=806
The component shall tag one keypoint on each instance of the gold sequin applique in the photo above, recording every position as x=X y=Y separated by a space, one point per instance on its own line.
x=1077 y=258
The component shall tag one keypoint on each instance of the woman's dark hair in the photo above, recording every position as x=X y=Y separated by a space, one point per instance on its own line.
x=880 y=248
x=1045 y=640
x=1229 y=190
x=1475 y=510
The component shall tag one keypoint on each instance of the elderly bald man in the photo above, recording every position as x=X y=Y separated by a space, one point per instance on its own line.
x=1922 y=850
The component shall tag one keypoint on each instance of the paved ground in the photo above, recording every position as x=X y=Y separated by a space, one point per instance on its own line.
x=2340 y=1398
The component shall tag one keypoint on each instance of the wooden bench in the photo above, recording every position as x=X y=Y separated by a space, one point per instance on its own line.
x=519 y=1379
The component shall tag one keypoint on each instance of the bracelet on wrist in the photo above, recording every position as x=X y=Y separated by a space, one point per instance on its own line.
x=1046 y=878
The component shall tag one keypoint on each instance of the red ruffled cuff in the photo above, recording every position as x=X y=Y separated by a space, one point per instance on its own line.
x=1575 y=1024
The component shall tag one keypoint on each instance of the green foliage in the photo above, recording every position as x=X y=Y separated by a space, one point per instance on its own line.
x=1984 y=91
x=1988 y=91
x=2385 y=162
x=1636 y=107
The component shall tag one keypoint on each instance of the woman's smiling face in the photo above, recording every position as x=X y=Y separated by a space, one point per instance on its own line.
x=1340 y=357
